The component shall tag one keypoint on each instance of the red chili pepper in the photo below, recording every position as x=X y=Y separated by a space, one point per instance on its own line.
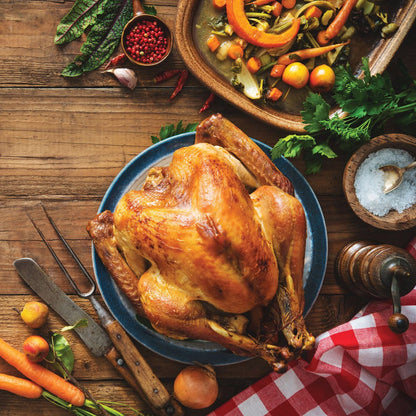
x=165 y=75
x=208 y=102
x=180 y=83
x=117 y=60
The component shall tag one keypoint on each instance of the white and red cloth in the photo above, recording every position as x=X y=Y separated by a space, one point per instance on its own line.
x=359 y=368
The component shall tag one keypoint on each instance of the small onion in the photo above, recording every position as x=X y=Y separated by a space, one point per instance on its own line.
x=196 y=386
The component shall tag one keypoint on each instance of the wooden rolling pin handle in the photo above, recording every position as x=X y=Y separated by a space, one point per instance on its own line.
x=153 y=391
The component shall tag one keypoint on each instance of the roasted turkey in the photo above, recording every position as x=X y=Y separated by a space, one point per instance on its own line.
x=212 y=247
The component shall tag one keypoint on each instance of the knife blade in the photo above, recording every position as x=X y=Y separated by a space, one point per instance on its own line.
x=138 y=374
x=93 y=335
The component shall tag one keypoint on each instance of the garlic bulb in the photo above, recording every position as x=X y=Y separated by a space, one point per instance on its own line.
x=125 y=76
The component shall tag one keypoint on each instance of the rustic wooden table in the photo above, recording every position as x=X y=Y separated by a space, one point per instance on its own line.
x=62 y=143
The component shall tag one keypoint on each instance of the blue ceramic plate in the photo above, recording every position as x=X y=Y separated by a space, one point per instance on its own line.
x=131 y=177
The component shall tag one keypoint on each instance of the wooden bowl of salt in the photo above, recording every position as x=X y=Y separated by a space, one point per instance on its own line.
x=363 y=183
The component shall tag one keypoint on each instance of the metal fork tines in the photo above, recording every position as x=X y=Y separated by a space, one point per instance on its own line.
x=91 y=281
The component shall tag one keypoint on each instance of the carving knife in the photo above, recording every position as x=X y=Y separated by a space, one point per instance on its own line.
x=101 y=343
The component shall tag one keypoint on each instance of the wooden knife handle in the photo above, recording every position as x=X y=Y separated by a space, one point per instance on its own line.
x=117 y=361
x=145 y=381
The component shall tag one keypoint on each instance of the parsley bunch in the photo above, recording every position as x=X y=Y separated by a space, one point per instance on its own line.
x=368 y=101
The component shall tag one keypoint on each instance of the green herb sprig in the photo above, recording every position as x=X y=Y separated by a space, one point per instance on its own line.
x=369 y=101
x=170 y=130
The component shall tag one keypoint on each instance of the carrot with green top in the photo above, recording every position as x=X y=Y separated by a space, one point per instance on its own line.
x=325 y=36
x=41 y=376
x=20 y=386
x=304 y=54
x=238 y=20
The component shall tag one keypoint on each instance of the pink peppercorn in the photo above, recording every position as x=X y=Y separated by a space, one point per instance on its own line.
x=147 y=42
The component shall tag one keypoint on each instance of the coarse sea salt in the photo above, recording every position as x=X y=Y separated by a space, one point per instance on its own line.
x=369 y=182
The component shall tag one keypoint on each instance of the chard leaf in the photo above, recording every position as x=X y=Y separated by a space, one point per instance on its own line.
x=103 y=38
x=82 y=15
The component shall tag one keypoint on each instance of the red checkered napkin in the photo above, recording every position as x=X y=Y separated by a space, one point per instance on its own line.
x=358 y=368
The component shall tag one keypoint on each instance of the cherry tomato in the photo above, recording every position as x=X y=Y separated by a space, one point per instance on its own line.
x=322 y=79
x=296 y=75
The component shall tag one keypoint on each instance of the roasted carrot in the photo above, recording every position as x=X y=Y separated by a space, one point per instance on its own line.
x=41 y=376
x=277 y=70
x=213 y=43
x=219 y=4
x=303 y=54
x=325 y=36
x=288 y=4
x=313 y=11
x=274 y=94
x=253 y=64
x=277 y=9
x=235 y=51
x=20 y=386
x=260 y=2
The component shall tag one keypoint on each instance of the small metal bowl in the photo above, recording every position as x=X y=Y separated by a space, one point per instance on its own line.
x=140 y=15
x=394 y=220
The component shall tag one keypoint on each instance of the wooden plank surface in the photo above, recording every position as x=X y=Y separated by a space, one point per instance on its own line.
x=62 y=142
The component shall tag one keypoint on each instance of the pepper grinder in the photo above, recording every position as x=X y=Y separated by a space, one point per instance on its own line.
x=381 y=271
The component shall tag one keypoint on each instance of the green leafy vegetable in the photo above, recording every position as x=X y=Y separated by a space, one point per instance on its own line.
x=82 y=15
x=170 y=130
x=149 y=10
x=369 y=102
x=106 y=20
x=61 y=352
x=82 y=323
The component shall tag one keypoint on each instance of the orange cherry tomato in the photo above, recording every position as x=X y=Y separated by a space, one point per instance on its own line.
x=296 y=75
x=322 y=79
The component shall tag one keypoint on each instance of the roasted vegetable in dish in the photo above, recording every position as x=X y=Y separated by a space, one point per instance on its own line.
x=212 y=247
x=269 y=33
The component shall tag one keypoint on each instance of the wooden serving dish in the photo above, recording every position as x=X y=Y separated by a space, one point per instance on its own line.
x=394 y=220
x=379 y=58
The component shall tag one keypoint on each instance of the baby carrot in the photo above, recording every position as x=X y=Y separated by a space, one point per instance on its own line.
x=213 y=43
x=235 y=51
x=313 y=11
x=303 y=54
x=274 y=94
x=20 y=386
x=288 y=4
x=260 y=2
x=253 y=64
x=277 y=9
x=219 y=4
x=325 y=36
x=42 y=376
x=277 y=70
